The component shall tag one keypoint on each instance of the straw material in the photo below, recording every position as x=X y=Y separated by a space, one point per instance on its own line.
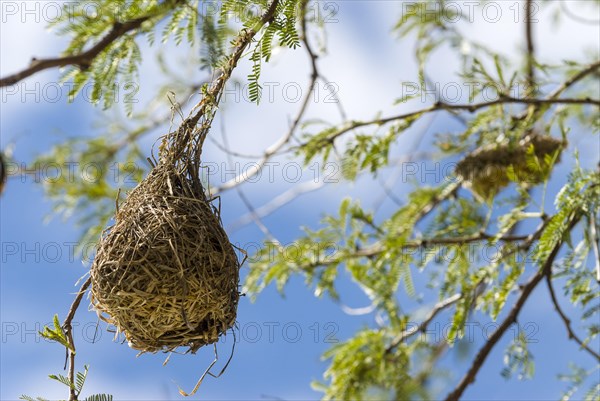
x=485 y=170
x=165 y=274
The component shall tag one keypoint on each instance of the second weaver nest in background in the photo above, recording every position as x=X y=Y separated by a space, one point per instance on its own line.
x=490 y=168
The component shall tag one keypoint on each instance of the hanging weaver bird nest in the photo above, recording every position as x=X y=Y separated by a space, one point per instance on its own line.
x=165 y=274
x=490 y=168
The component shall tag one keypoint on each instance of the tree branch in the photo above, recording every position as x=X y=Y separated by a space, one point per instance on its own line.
x=207 y=108
x=566 y=320
x=84 y=59
x=511 y=318
x=439 y=106
x=76 y=302
x=377 y=247
x=499 y=332
x=68 y=328
x=275 y=147
x=425 y=242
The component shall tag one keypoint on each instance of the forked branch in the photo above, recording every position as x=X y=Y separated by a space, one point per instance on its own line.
x=510 y=319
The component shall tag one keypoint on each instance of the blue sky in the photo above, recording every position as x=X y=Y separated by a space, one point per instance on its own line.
x=281 y=338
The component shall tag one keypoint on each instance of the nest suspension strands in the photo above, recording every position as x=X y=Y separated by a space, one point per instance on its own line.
x=165 y=274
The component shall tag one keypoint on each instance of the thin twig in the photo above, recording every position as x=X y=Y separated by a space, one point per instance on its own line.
x=300 y=189
x=253 y=215
x=566 y=320
x=68 y=328
x=275 y=147
x=251 y=210
x=440 y=306
x=234 y=153
x=530 y=47
x=574 y=79
x=594 y=240
x=276 y=203
x=214 y=93
x=410 y=156
x=313 y=56
x=76 y=302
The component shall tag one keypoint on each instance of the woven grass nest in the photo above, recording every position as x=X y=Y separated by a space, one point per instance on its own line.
x=165 y=274
x=485 y=170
